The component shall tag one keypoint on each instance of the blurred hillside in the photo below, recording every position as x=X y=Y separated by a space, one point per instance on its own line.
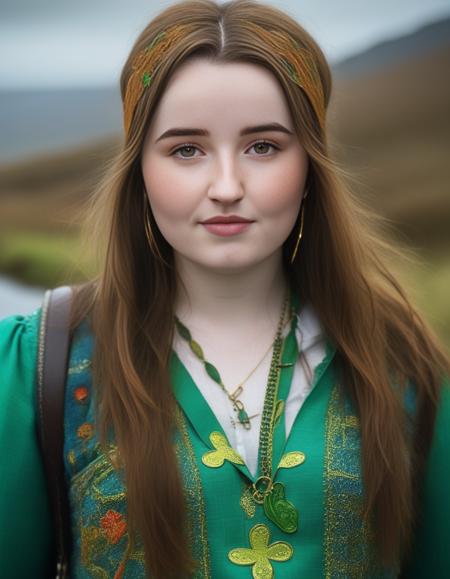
x=393 y=126
x=390 y=125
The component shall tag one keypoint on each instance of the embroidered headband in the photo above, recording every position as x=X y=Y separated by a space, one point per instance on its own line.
x=298 y=62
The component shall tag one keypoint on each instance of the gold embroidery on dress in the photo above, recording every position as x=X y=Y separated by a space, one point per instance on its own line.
x=223 y=452
x=183 y=452
x=347 y=535
x=291 y=459
x=278 y=411
x=261 y=553
x=247 y=503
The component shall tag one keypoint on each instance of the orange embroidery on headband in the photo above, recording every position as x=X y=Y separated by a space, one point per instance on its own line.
x=299 y=64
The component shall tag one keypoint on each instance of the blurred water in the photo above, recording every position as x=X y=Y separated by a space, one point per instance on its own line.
x=16 y=298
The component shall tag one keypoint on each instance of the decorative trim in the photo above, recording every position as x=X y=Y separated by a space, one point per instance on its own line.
x=347 y=536
x=198 y=529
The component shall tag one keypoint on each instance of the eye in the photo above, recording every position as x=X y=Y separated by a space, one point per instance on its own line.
x=264 y=144
x=185 y=147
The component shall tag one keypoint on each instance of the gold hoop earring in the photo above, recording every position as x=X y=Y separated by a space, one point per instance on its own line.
x=300 y=233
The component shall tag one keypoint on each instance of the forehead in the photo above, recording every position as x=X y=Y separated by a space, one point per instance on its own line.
x=231 y=95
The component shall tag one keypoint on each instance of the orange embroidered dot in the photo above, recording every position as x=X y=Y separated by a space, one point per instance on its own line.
x=86 y=430
x=114 y=526
x=81 y=394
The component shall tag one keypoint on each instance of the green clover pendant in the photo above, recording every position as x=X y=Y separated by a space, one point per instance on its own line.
x=279 y=510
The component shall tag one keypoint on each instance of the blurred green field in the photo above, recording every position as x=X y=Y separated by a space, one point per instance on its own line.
x=43 y=259
x=427 y=283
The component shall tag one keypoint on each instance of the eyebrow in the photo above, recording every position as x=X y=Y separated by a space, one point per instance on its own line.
x=188 y=132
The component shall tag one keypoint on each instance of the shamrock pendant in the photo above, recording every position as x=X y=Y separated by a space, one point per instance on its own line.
x=279 y=510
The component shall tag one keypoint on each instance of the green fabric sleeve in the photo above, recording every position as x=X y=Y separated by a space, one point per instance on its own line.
x=431 y=549
x=25 y=529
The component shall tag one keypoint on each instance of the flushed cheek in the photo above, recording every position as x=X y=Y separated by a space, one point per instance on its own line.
x=280 y=199
x=169 y=196
x=281 y=188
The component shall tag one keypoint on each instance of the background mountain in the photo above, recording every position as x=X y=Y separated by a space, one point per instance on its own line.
x=389 y=52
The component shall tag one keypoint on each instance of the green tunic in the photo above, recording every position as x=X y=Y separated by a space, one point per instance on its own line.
x=231 y=536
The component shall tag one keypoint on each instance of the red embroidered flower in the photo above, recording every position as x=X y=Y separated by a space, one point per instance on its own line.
x=114 y=526
x=86 y=430
x=81 y=394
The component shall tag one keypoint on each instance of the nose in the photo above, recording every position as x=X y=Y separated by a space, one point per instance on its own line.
x=226 y=184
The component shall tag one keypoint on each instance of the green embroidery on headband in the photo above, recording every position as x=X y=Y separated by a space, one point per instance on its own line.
x=146 y=79
x=155 y=41
x=291 y=70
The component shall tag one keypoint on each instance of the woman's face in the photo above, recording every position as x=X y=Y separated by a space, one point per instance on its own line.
x=210 y=152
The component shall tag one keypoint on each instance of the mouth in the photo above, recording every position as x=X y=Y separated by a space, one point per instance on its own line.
x=226 y=229
x=226 y=219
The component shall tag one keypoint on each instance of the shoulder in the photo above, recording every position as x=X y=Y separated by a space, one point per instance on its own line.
x=23 y=507
x=19 y=336
x=20 y=326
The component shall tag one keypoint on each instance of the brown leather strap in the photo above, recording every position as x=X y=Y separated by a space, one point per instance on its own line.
x=54 y=342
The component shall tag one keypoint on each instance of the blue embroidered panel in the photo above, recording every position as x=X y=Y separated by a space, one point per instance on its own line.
x=101 y=546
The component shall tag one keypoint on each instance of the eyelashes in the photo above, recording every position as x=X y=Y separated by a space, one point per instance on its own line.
x=192 y=146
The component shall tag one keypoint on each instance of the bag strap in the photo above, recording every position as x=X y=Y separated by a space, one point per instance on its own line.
x=54 y=343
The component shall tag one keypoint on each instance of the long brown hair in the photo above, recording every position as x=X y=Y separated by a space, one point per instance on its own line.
x=341 y=271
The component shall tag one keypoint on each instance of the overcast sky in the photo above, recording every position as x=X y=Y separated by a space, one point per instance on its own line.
x=56 y=43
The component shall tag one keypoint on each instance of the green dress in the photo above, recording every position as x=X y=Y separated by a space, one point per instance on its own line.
x=231 y=536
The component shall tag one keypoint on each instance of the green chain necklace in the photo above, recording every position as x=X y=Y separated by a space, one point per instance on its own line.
x=264 y=491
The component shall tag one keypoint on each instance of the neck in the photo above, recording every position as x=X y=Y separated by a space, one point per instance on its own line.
x=230 y=299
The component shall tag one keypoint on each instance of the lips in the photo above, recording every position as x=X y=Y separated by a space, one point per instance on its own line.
x=227 y=219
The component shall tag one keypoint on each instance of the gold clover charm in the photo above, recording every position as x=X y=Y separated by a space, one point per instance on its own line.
x=261 y=552
x=291 y=459
x=223 y=452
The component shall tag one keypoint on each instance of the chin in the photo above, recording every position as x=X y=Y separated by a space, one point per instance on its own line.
x=235 y=265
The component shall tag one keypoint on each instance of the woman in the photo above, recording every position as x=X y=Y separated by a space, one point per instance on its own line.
x=238 y=403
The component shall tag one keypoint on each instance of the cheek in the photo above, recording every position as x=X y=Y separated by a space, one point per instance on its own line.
x=167 y=193
x=282 y=189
